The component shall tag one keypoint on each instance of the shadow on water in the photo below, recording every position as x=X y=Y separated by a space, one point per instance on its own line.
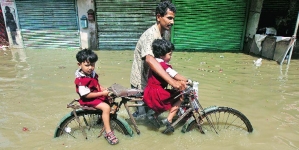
x=36 y=85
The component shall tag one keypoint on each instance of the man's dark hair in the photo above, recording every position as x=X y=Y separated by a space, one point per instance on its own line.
x=161 y=47
x=86 y=55
x=163 y=6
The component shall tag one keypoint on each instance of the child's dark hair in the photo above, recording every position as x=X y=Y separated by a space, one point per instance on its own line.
x=162 y=8
x=86 y=55
x=161 y=47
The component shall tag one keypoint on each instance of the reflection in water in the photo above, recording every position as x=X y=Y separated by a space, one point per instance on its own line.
x=284 y=73
x=283 y=77
x=34 y=93
x=13 y=64
x=18 y=55
x=288 y=115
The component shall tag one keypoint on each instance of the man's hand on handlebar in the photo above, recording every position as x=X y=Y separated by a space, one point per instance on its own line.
x=180 y=85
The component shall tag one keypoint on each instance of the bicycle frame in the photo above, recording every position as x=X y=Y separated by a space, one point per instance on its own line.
x=77 y=108
x=195 y=116
x=124 y=101
x=191 y=103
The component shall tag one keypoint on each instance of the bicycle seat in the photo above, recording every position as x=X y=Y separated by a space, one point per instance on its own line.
x=120 y=91
x=134 y=93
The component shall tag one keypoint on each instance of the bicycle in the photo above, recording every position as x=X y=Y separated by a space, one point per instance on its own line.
x=214 y=119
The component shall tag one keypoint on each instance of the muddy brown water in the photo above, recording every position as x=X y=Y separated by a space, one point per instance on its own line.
x=36 y=85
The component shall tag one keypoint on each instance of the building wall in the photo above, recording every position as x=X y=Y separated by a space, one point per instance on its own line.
x=88 y=36
x=11 y=23
x=253 y=17
x=262 y=14
x=3 y=34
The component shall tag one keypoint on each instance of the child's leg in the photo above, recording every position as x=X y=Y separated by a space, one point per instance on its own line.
x=173 y=110
x=105 y=115
x=172 y=113
x=109 y=136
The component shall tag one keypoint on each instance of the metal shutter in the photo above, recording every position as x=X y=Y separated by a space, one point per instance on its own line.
x=205 y=25
x=48 y=23
x=121 y=23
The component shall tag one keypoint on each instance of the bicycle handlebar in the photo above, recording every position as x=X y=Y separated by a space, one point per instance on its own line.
x=187 y=90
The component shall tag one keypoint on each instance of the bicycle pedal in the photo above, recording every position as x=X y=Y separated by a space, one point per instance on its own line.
x=155 y=123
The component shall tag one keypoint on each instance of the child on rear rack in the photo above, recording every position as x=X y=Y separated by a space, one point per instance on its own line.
x=156 y=96
x=91 y=93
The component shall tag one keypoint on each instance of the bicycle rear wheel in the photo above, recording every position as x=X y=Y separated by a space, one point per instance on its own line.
x=88 y=125
x=221 y=120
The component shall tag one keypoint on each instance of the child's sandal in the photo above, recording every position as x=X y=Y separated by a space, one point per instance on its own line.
x=111 y=138
x=169 y=128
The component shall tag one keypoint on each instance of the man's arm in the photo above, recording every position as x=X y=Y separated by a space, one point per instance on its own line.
x=180 y=77
x=157 y=68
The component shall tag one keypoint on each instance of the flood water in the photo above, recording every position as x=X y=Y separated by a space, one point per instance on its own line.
x=36 y=85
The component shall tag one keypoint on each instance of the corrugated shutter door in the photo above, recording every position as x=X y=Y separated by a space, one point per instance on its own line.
x=121 y=23
x=48 y=23
x=209 y=25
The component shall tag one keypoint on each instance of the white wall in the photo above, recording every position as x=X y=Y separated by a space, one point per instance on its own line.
x=254 y=17
x=18 y=43
x=88 y=36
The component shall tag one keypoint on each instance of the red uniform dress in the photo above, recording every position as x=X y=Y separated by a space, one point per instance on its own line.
x=155 y=95
x=85 y=85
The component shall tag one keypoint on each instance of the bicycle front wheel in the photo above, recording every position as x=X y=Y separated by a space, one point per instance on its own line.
x=88 y=124
x=221 y=120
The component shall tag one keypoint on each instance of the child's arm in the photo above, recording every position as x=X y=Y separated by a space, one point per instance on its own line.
x=97 y=94
x=102 y=88
x=156 y=67
x=174 y=74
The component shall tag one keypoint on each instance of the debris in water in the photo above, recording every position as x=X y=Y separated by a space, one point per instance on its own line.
x=68 y=129
x=258 y=62
x=25 y=129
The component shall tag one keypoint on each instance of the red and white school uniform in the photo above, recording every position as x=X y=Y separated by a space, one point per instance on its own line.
x=156 y=96
x=85 y=85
